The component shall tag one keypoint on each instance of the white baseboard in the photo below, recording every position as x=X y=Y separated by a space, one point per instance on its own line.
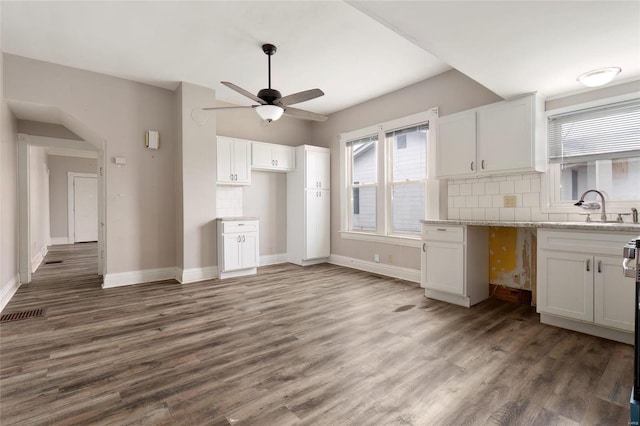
x=192 y=275
x=273 y=259
x=8 y=290
x=58 y=241
x=240 y=273
x=393 y=271
x=36 y=261
x=136 y=277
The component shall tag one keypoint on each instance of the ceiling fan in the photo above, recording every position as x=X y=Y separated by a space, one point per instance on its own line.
x=271 y=104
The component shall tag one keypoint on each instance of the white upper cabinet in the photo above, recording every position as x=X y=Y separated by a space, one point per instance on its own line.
x=234 y=160
x=505 y=137
x=272 y=157
x=317 y=169
x=456 y=151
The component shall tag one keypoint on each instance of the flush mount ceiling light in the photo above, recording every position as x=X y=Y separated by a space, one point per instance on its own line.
x=599 y=77
x=269 y=113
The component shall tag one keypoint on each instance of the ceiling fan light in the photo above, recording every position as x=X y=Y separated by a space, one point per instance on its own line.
x=269 y=113
x=599 y=77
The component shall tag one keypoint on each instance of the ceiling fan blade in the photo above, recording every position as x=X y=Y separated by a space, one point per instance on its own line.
x=228 y=107
x=307 y=115
x=243 y=92
x=296 y=98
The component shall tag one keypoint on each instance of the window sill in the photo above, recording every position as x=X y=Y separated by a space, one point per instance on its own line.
x=384 y=239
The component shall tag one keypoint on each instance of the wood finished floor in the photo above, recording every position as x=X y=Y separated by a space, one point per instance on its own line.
x=319 y=345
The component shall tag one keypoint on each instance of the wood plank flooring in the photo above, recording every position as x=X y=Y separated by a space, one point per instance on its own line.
x=320 y=345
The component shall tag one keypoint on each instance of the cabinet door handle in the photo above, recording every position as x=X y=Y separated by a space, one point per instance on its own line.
x=588 y=265
x=236 y=177
x=231 y=176
x=442 y=229
x=482 y=164
x=243 y=239
x=599 y=266
x=239 y=238
x=472 y=165
x=276 y=162
x=424 y=247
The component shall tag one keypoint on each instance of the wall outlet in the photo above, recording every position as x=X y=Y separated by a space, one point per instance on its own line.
x=510 y=200
x=390 y=258
x=376 y=258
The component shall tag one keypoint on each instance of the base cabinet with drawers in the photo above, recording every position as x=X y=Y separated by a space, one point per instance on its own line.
x=237 y=247
x=455 y=263
x=580 y=284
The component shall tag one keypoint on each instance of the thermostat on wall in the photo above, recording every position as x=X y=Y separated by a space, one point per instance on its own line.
x=152 y=139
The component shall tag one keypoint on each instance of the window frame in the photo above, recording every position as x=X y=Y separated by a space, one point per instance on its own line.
x=550 y=194
x=383 y=196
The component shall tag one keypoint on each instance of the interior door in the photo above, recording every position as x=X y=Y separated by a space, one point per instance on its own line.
x=85 y=208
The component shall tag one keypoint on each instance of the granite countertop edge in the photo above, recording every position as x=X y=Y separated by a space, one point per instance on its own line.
x=587 y=226
x=236 y=218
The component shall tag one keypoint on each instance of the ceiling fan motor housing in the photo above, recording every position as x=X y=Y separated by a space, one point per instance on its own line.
x=269 y=95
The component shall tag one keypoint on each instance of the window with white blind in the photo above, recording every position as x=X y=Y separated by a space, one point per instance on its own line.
x=385 y=171
x=595 y=148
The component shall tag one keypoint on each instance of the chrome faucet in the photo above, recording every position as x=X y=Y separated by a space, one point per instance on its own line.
x=603 y=215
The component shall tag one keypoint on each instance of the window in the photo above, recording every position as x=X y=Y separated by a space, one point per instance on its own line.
x=363 y=182
x=386 y=185
x=595 y=148
x=408 y=148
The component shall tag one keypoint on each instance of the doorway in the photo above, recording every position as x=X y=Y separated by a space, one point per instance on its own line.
x=82 y=209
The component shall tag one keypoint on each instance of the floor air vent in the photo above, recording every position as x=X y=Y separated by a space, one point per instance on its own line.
x=16 y=316
x=52 y=262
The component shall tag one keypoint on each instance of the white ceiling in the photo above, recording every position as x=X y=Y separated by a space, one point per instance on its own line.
x=352 y=53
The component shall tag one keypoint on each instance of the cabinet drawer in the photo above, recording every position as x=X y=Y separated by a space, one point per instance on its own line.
x=443 y=233
x=228 y=227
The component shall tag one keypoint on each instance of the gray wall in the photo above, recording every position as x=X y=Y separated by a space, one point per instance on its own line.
x=37 y=128
x=451 y=91
x=141 y=205
x=39 y=203
x=8 y=194
x=59 y=166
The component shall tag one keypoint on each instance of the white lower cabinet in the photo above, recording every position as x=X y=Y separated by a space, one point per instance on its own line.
x=580 y=284
x=455 y=263
x=237 y=247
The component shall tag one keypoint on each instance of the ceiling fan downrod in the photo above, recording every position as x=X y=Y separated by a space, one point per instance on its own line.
x=269 y=95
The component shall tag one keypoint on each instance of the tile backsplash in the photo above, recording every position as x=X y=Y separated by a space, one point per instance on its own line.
x=229 y=201
x=482 y=198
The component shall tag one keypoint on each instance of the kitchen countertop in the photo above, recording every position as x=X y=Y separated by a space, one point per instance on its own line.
x=237 y=218
x=585 y=226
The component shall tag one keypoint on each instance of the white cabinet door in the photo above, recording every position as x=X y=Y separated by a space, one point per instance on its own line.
x=565 y=284
x=284 y=157
x=249 y=250
x=261 y=155
x=456 y=145
x=317 y=223
x=317 y=170
x=505 y=136
x=614 y=294
x=241 y=161
x=224 y=154
x=232 y=255
x=444 y=267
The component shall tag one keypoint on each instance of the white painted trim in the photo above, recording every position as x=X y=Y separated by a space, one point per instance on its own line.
x=593 y=329
x=64 y=152
x=273 y=259
x=137 y=277
x=71 y=218
x=36 y=260
x=8 y=290
x=192 y=275
x=455 y=299
x=383 y=239
x=407 y=274
x=240 y=273
x=59 y=241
